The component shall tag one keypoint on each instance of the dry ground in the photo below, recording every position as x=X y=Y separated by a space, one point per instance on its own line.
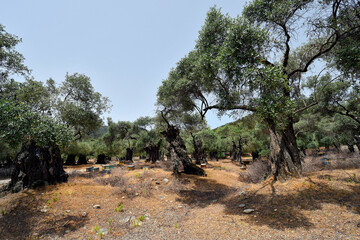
x=321 y=205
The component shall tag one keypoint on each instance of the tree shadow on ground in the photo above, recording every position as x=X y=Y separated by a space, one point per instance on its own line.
x=25 y=218
x=276 y=209
x=280 y=211
x=206 y=192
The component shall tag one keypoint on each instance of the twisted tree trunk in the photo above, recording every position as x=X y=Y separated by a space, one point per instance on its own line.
x=237 y=151
x=153 y=152
x=178 y=152
x=284 y=153
x=37 y=166
x=199 y=153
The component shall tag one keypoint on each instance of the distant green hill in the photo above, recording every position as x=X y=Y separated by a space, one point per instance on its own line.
x=100 y=132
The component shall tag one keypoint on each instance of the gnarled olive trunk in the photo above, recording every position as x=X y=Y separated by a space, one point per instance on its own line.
x=70 y=160
x=255 y=155
x=37 y=166
x=82 y=159
x=199 y=153
x=153 y=152
x=101 y=159
x=178 y=152
x=237 y=151
x=129 y=154
x=284 y=154
x=351 y=147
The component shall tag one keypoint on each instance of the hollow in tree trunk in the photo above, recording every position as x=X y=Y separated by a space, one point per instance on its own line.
x=153 y=152
x=82 y=159
x=284 y=154
x=178 y=152
x=37 y=166
x=129 y=154
x=70 y=160
x=101 y=159
x=199 y=153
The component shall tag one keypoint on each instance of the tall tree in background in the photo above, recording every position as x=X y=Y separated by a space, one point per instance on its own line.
x=79 y=105
x=247 y=63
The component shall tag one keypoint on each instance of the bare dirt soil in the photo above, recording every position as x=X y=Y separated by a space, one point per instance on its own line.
x=151 y=203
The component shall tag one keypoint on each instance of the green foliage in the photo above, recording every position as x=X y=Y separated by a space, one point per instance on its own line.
x=96 y=228
x=80 y=106
x=119 y=208
x=11 y=61
x=79 y=148
x=55 y=198
x=18 y=124
x=247 y=63
x=250 y=131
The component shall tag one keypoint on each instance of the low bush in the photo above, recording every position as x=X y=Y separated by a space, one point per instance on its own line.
x=256 y=172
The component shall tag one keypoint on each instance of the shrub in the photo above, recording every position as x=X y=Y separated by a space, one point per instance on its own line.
x=256 y=172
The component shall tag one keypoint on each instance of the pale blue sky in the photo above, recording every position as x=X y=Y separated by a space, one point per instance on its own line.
x=126 y=47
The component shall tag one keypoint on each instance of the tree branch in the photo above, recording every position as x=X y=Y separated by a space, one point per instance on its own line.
x=306 y=107
x=287 y=51
x=236 y=107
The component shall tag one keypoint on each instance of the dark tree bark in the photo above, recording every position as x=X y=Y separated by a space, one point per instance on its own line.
x=178 y=152
x=129 y=154
x=153 y=152
x=351 y=148
x=37 y=166
x=255 y=155
x=101 y=159
x=214 y=155
x=168 y=154
x=199 y=153
x=70 y=160
x=284 y=154
x=82 y=159
x=357 y=143
x=237 y=151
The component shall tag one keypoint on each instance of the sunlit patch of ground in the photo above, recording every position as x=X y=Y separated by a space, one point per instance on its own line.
x=321 y=205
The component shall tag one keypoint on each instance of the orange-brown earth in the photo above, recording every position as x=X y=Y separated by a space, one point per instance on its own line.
x=321 y=205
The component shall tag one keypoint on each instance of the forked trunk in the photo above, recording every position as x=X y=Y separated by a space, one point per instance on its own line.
x=129 y=154
x=284 y=154
x=153 y=152
x=237 y=151
x=178 y=152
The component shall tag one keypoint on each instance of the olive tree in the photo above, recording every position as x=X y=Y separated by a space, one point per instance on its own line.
x=248 y=64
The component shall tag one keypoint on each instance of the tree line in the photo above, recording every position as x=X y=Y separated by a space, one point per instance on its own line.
x=247 y=64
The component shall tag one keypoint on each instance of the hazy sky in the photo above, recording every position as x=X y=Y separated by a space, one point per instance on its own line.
x=126 y=47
